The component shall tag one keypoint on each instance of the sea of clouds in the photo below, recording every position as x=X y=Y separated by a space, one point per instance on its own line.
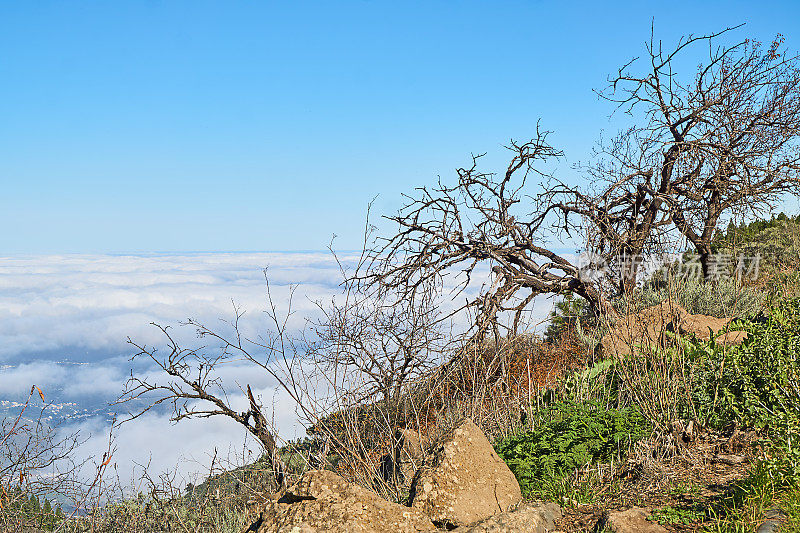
x=65 y=321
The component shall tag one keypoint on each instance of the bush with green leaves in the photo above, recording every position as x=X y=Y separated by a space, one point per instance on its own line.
x=671 y=515
x=566 y=315
x=574 y=434
x=755 y=384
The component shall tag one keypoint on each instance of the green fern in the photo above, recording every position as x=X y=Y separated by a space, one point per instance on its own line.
x=576 y=435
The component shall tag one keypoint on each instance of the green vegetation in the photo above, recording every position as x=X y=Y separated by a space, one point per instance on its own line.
x=756 y=384
x=574 y=435
x=773 y=235
x=773 y=484
x=593 y=433
x=566 y=317
x=677 y=515
x=161 y=513
x=724 y=297
x=591 y=417
x=32 y=510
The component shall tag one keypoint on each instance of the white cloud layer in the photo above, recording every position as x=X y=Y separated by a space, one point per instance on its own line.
x=65 y=320
x=49 y=303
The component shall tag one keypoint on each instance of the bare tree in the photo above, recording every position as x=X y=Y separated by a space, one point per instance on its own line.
x=191 y=386
x=347 y=372
x=722 y=141
x=386 y=343
x=620 y=219
x=483 y=220
x=39 y=458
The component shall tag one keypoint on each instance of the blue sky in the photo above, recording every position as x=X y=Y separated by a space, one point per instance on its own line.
x=154 y=125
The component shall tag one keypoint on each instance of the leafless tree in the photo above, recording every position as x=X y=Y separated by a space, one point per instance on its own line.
x=699 y=149
x=705 y=146
x=30 y=448
x=190 y=384
x=40 y=458
x=484 y=220
x=357 y=358
x=620 y=222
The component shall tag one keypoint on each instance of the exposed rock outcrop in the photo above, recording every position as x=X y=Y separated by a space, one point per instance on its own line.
x=323 y=501
x=463 y=485
x=528 y=518
x=464 y=481
x=647 y=327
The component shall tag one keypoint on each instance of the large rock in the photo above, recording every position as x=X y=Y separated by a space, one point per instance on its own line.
x=732 y=338
x=464 y=481
x=321 y=501
x=703 y=327
x=528 y=518
x=647 y=327
x=700 y=325
x=633 y=521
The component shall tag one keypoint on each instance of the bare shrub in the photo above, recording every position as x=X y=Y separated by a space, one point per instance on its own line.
x=369 y=349
x=40 y=473
x=190 y=385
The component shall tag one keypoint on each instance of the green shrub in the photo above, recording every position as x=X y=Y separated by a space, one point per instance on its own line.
x=756 y=384
x=725 y=297
x=677 y=515
x=574 y=435
x=776 y=241
x=750 y=231
x=565 y=316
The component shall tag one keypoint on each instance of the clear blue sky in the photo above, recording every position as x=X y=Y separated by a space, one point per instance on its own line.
x=168 y=125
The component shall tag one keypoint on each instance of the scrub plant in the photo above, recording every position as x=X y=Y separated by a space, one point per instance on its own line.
x=576 y=434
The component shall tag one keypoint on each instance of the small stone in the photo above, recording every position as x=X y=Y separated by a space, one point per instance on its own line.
x=633 y=521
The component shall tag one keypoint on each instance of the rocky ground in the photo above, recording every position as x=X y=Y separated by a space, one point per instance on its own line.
x=463 y=486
